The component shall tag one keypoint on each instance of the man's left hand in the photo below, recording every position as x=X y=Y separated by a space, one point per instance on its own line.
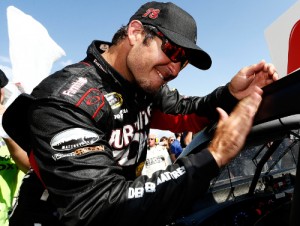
x=252 y=78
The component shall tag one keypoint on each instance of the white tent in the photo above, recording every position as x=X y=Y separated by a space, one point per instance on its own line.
x=32 y=54
x=32 y=51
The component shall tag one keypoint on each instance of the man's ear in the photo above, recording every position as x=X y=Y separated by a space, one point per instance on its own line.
x=135 y=30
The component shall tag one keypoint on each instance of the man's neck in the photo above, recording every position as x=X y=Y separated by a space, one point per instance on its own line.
x=116 y=56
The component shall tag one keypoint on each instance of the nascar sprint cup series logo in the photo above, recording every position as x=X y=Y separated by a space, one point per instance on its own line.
x=73 y=138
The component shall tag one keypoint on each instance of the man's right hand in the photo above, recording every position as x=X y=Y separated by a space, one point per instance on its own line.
x=232 y=130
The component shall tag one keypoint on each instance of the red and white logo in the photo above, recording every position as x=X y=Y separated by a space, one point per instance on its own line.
x=151 y=13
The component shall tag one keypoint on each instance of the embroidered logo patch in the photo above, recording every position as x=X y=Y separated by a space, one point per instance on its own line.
x=73 y=139
x=75 y=87
x=114 y=99
x=78 y=152
x=151 y=13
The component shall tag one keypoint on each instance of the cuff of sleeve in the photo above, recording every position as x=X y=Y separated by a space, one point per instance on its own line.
x=205 y=160
x=204 y=164
x=230 y=102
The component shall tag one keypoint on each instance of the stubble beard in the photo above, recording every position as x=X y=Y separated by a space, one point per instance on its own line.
x=146 y=85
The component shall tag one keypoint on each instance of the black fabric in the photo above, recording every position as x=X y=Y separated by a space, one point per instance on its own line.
x=3 y=79
x=16 y=124
x=31 y=209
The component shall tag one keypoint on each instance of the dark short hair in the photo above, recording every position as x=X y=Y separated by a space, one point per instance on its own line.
x=3 y=79
x=178 y=134
x=119 y=35
x=163 y=138
x=122 y=33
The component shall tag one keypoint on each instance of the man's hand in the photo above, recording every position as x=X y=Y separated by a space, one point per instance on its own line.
x=250 y=79
x=232 y=130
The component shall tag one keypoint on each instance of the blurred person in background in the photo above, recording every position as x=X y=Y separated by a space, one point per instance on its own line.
x=157 y=157
x=14 y=163
x=176 y=147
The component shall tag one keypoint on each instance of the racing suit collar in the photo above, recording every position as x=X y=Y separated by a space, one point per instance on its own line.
x=94 y=52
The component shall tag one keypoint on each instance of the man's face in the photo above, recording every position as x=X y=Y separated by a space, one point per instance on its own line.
x=165 y=141
x=151 y=140
x=171 y=140
x=149 y=65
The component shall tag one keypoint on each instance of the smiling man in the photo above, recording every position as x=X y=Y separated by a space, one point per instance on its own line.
x=85 y=127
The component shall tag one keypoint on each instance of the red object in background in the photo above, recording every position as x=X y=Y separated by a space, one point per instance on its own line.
x=294 y=49
x=177 y=123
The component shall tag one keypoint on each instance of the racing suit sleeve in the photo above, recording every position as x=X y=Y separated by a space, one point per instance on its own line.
x=88 y=187
x=178 y=123
x=180 y=113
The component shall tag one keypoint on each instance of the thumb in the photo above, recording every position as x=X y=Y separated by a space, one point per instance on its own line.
x=223 y=115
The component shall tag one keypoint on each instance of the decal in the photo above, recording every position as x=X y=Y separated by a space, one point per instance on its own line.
x=128 y=142
x=99 y=65
x=151 y=13
x=78 y=152
x=60 y=155
x=7 y=166
x=75 y=87
x=150 y=187
x=120 y=114
x=92 y=99
x=166 y=176
x=73 y=139
x=103 y=47
x=114 y=99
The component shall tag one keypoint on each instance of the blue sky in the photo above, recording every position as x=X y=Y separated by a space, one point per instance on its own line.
x=231 y=31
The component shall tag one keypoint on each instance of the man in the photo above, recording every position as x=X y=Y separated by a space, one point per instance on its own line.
x=151 y=141
x=175 y=147
x=88 y=123
x=13 y=163
x=17 y=153
x=157 y=158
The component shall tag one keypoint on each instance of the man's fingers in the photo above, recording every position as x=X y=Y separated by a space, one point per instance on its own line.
x=232 y=130
x=254 y=68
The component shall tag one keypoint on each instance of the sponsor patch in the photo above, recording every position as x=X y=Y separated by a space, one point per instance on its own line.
x=120 y=114
x=151 y=13
x=104 y=47
x=114 y=99
x=92 y=101
x=78 y=152
x=74 y=138
x=75 y=87
x=150 y=187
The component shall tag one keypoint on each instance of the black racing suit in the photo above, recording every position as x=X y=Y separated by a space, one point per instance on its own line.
x=86 y=130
